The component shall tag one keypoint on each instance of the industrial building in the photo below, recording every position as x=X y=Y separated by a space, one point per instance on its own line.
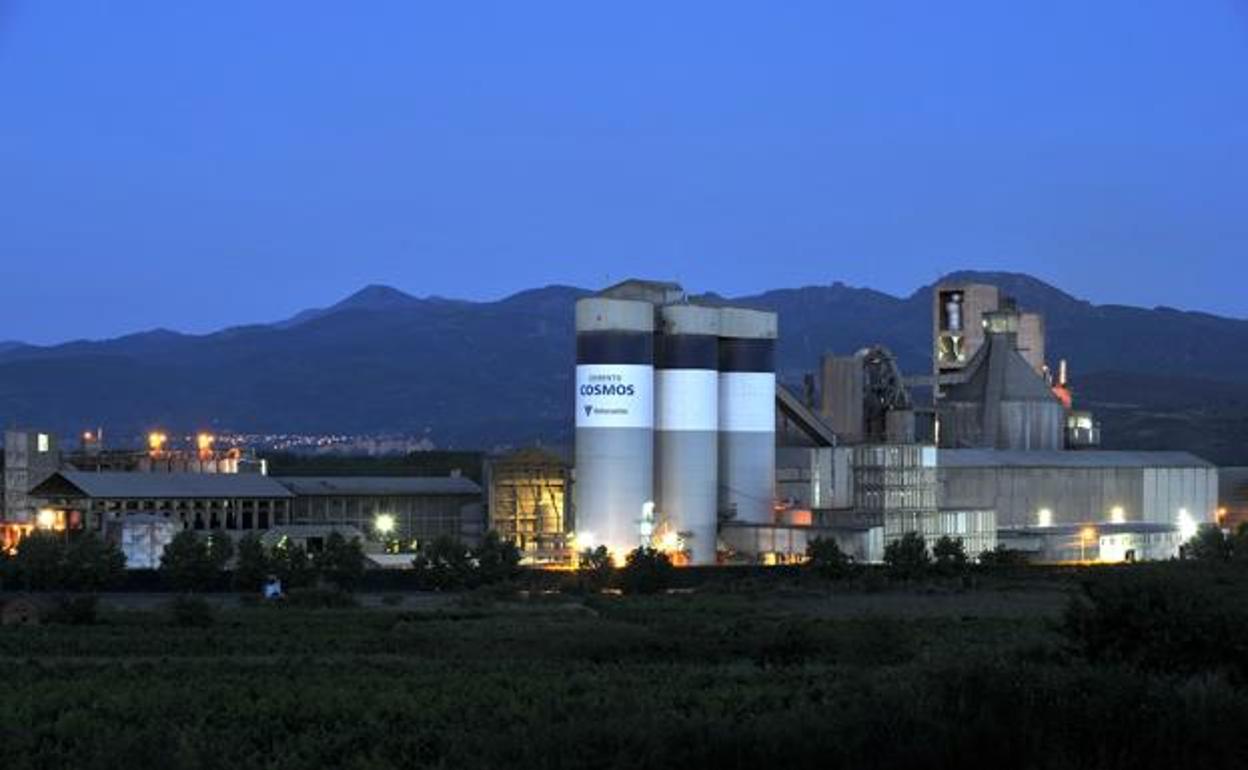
x=197 y=501
x=403 y=509
x=1041 y=498
x=675 y=419
x=527 y=498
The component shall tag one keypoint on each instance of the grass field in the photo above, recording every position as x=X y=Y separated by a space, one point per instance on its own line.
x=805 y=675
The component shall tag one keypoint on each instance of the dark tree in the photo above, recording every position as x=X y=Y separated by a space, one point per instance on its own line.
x=596 y=568
x=827 y=559
x=949 y=555
x=187 y=564
x=496 y=559
x=342 y=561
x=646 y=571
x=1208 y=545
x=92 y=564
x=443 y=564
x=907 y=558
x=252 y=567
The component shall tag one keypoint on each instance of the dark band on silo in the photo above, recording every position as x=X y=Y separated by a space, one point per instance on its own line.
x=615 y=347
x=747 y=355
x=686 y=351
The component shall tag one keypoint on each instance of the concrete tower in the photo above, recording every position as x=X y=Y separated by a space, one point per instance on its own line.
x=614 y=420
x=686 y=442
x=747 y=414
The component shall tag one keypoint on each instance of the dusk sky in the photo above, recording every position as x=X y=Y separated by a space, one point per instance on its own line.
x=195 y=165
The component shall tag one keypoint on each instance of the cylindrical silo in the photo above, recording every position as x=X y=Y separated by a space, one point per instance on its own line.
x=614 y=420
x=686 y=424
x=747 y=414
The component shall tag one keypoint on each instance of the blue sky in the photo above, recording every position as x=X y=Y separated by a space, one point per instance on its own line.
x=199 y=164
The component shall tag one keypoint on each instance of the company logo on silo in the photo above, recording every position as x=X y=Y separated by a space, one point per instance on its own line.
x=607 y=385
x=614 y=395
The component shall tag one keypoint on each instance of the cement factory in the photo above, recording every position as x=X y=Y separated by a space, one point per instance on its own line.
x=686 y=442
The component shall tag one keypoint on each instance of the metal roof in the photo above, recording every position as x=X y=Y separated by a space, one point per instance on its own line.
x=395 y=486
x=1011 y=458
x=121 y=484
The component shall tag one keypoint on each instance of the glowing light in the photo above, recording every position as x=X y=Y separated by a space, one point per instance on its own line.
x=1045 y=517
x=1087 y=533
x=619 y=558
x=156 y=441
x=204 y=443
x=46 y=518
x=384 y=523
x=669 y=542
x=585 y=540
x=1118 y=515
x=1187 y=525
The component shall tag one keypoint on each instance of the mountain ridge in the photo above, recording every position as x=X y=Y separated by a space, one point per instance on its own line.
x=471 y=373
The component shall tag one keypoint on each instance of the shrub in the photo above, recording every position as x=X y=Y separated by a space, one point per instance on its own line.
x=595 y=568
x=495 y=559
x=646 y=571
x=392 y=600
x=1173 y=621
x=1002 y=557
x=907 y=557
x=252 y=567
x=949 y=555
x=342 y=561
x=187 y=564
x=37 y=565
x=290 y=562
x=443 y=564
x=191 y=612
x=827 y=559
x=92 y=564
x=1208 y=544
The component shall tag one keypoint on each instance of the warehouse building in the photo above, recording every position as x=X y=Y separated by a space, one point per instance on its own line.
x=230 y=502
x=1054 y=504
x=406 y=510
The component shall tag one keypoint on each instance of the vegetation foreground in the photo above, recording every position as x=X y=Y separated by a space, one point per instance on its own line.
x=1139 y=667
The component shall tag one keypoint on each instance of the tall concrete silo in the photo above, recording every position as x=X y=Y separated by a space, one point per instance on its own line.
x=686 y=423
x=614 y=420
x=747 y=413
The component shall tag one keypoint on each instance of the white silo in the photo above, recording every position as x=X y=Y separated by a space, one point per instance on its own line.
x=747 y=414
x=686 y=442
x=614 y=420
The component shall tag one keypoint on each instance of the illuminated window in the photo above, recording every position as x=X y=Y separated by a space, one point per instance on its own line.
x=1045 y=517
x=43 y=441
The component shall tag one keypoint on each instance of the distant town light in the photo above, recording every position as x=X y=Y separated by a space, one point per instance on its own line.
x=156 y=441
x=1118 y=515
x=204 y=443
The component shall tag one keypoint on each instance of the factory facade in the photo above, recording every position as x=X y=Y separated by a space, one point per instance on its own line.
x=685 y=442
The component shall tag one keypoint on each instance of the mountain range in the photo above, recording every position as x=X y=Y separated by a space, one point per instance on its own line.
x=484 y=374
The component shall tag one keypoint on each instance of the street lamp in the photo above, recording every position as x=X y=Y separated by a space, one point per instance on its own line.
x=384 y=523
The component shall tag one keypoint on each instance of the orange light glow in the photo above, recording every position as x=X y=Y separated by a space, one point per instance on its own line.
x=204 y=442
x=156 y=441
